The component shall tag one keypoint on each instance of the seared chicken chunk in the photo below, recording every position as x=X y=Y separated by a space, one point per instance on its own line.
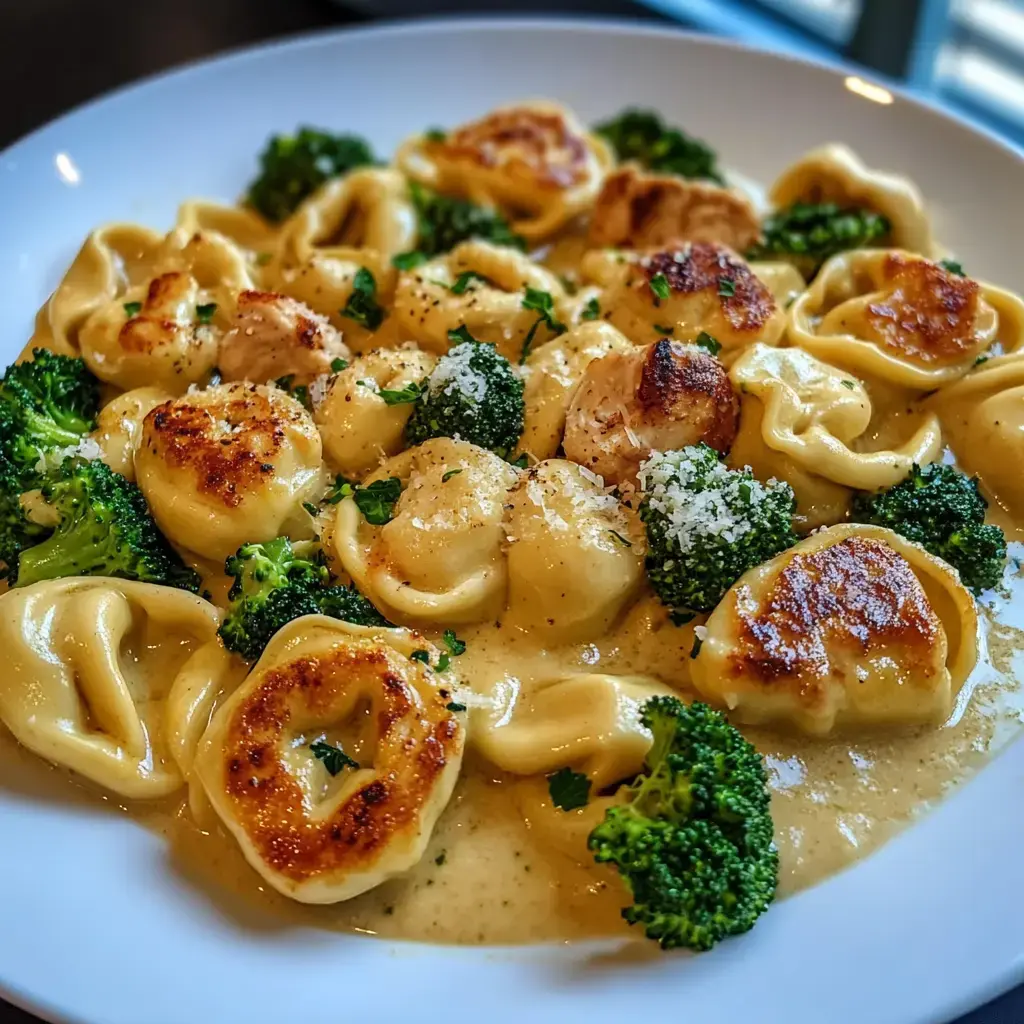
x=660 y=397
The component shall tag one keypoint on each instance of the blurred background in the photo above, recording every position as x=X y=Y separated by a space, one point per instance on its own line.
x=965 y=54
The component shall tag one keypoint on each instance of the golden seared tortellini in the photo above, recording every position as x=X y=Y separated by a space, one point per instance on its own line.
x=360 y=427
x=658 y=397
x=783 y=280
x=835 y=174
x=854 y=626
x=534 y=161
x=807 y=422
x=119 y=427
x=575 y=553
x=88 y=665
x=683 y=292
x=983 y=418
x=313 y=836
x=276 y=336
x=586 y=721
x=165 y=331
x=640 y=210
x=904 y=319
x=552 y=374
x=439 y=557
x=229 y=465
x=480 y=286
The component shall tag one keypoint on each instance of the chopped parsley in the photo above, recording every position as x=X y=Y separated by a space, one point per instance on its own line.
x=664 y=329
x=592 y=310
x=409 y=260
x=133 y=308
x=453 y=643
x=311 y=508
x=465 y=279
x=339 y=364
x=341 y=488
x=660 y=286
x=569 y=790
x=362 y=305
x=849 y=385
x=540 y=302
x=443 y=661
x=377 y=501
x=953 y=267
x=710 y=344
x=435 y=135
x=726 y=288
x=300 y=392
x=521 y=463
x=402 y=396
x=421 y=655
x=447 y=476
x=205 y=312
x=461 y=334
x=334 y=759
x=455 y=706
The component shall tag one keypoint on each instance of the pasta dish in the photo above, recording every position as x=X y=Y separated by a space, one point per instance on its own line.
x=544 y=534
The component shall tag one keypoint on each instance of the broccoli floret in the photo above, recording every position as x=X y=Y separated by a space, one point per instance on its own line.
x=293 y=167
x=104 y=529
x=17 y=531
x=46 y=405
x=641 y=135
x=474 y=394
x=444 y=221
x=807 y=234
x=943 y=510
x=274 y=585
x=707 y=525
x=694 y=842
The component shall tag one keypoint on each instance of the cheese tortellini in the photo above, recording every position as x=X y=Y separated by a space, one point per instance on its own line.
x=532 y=160
x=835 y=174
x=119 y=427
x=681 y=293
x=89 y=663
x=315 y=837
x=480 y=286
x=906 y=320
x=439 y=559
x=589 y=722
x=575 y=554
x=229 y=465
x=854 y=626
x=358 y=427
x=806 y=422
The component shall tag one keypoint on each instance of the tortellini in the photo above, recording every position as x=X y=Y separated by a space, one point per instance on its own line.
x=552 y=374
x=315 y=837
x=854 y=626
x=534 y=161
x=359 y=428
x=983 y=416
x=680 y=293
x=229 y=465
x=439 y=559
x=655 y=398
x=89 y=663
x=903 y=319
x=480 y=286
x=805 y=421
x=589 y=722
x=575 y=554
x=640 y=210
x=119 y=427
x=835 y=174
x=275 y=336
x=165 y=330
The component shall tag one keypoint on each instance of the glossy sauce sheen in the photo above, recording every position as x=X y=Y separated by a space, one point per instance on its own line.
x=504 y=867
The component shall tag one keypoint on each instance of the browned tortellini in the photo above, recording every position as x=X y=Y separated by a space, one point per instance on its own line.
x=808 y=423
x=653 y=398
x=835 y=174
x=640 y=210
x=682 y=292
x=854 y=626
x=490 y=285
x=903 y=319
x=440 y=558
x=533 y=161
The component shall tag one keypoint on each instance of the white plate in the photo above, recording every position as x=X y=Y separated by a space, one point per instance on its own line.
x=97 y=924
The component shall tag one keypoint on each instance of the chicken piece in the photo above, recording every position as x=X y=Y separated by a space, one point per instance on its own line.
x=638 y=210
x=276 y=336
x=660 y=397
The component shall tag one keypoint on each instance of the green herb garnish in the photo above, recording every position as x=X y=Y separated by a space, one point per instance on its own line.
x=569 y=790
x=362 y=305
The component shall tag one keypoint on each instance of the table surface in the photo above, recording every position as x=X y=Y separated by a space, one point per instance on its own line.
x=45 y=41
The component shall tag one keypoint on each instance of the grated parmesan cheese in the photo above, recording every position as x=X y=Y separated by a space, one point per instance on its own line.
x=454 y=373
x=87 y=448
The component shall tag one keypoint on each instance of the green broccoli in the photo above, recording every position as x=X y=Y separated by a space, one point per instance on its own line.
x=46 y=405
x=941 y=509
x=807 y=234
x=293 y=167
x=17 y=531
x=473 y=394
x=444 y=221
x=104 y=528
x=274 y=585
x=707 y=525
x=641 y=135
x=694 y=842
